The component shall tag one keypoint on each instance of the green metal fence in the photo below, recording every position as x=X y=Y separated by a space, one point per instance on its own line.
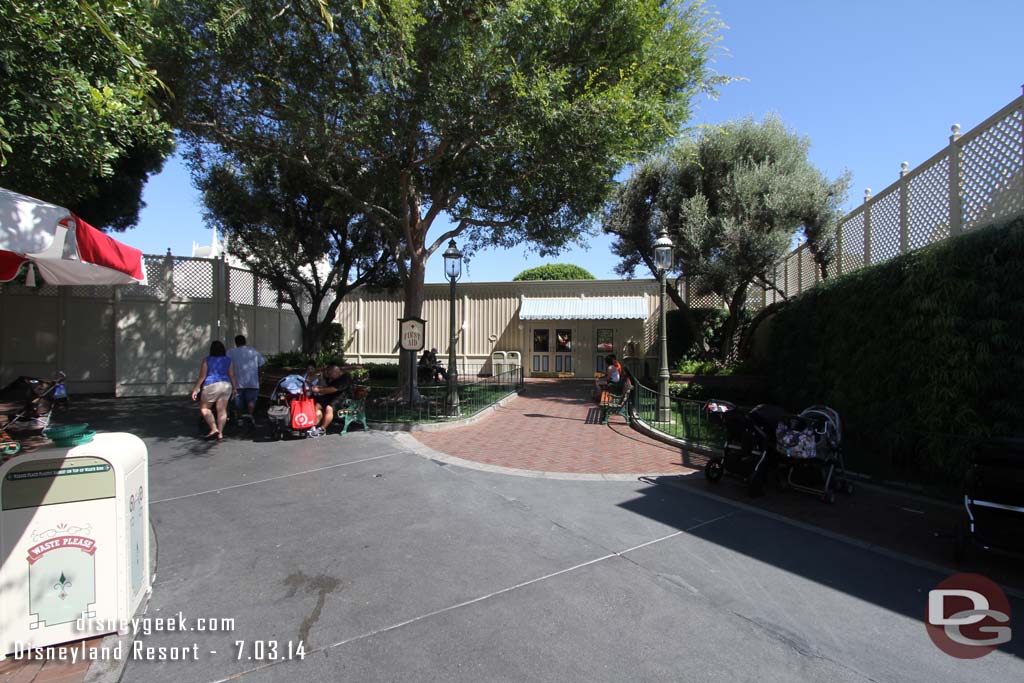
x=384 y=403
x=690 y=420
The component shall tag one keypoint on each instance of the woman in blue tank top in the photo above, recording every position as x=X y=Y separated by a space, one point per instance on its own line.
x=216 y=384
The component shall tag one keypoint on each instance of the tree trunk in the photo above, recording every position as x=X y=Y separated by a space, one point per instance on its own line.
x=413 y=309
x=736 y=304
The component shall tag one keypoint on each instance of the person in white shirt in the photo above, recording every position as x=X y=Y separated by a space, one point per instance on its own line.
x=246 y=362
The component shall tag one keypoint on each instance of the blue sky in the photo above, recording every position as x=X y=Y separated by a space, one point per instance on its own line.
x=871 y=83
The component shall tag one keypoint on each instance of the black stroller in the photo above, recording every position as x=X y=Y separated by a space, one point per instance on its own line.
x=38 y=398
x=994 y=499
x=749 y=449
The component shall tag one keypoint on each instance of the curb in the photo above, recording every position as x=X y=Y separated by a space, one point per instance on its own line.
x=410 y=443
x=441 y=426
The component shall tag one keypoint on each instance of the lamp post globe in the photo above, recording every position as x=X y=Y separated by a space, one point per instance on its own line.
x=663 y=249
x=453 y=271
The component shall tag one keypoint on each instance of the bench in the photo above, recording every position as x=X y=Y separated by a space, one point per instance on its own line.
x=614 y=403
x=354 y=409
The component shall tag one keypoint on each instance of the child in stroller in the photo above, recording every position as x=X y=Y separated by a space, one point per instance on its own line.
x=292 y=410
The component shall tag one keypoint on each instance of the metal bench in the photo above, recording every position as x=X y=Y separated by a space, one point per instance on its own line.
x=614 y=403
x=354 y=409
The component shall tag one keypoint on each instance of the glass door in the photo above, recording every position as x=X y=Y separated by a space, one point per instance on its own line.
x=551 y=350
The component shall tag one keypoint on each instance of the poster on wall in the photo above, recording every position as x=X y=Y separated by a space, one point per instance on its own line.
x=605 y=339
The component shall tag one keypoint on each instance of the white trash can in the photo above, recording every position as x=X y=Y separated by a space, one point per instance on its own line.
x=498 y=362
x=74 y=541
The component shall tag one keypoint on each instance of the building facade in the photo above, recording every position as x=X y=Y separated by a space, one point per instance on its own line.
x=558 y=328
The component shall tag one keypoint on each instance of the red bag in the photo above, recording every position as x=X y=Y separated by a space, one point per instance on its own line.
x=303 y=413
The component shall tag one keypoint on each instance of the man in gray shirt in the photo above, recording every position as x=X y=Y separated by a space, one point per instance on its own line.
x=246 y=362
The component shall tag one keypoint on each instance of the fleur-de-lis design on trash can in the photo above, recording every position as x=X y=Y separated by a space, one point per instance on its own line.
x=63 y=586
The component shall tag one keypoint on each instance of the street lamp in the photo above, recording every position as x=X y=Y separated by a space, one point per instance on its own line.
x=453 y=270
x=663 y=262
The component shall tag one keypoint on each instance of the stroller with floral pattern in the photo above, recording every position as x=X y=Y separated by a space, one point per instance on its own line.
x=809 y=446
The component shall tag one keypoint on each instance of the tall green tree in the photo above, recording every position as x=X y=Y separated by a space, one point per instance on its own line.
x=79 y=122
x=510 y=119
x=292 y=232
x=732 y=198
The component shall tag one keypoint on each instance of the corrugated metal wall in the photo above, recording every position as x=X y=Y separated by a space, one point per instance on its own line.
x=488 y=310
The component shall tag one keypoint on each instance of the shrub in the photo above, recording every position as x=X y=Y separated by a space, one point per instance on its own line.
x=381 y=371
x=918 y=353
x=287 y=359
x=688 y=390
x=555 y=271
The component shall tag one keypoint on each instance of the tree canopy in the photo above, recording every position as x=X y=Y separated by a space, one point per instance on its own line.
x=288 y=230
x=512 y=119
x=78 y=124
x=731 y=199
x=555 y=271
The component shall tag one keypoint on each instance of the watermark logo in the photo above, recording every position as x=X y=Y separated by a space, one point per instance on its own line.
x=968 y=616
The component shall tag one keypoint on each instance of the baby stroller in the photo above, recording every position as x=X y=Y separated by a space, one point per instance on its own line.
x=810 y=451
x=749 y=449
x=292 y=411
x=38 y=398
x=994 y=500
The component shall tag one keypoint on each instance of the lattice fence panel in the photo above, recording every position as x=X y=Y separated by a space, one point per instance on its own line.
x=266 y=295
x=808 y=268
x=885 y=226
x=928 y=205
x=852 y=239
x=40 y=290
x=92 y=291
x=156 y=276
x=192 y=278
x=753 y=303
x=992 y=172
x=240 y=287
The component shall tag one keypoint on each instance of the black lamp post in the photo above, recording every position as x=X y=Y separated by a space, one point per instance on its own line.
x=453 y=269
x=663 y=260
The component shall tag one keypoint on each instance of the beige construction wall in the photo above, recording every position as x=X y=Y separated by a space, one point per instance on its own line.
x=139 y=340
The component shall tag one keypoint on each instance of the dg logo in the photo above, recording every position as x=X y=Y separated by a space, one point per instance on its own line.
x=968 y=616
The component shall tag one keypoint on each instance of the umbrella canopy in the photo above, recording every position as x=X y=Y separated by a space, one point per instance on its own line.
x=63 y=248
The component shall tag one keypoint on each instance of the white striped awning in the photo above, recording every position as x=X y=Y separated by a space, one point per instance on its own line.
x=584 y=308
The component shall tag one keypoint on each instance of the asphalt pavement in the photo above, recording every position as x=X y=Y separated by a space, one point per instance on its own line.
x=387 y=565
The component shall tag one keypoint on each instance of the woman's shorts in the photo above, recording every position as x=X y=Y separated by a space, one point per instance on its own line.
x=218 y=391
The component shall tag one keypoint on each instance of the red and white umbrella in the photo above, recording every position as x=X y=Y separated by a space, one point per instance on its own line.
x=61 y=246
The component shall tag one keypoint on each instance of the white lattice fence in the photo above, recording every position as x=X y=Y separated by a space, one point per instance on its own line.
x=978 y=179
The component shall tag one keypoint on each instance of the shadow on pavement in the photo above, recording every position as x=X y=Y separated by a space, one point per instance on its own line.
x=856 y=571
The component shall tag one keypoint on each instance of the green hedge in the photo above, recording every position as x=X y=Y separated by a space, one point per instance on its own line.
x=923 y=355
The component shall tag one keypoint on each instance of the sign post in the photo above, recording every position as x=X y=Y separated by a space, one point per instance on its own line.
x=411 y=337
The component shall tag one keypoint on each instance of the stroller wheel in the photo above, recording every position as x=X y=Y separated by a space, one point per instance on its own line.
x=848 y=488
x=828 y=497
x=713 y=471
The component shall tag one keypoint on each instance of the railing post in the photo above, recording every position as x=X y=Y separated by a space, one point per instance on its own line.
x=904 y=208
x=799 y=271
x=867 y=226
x=839 y=248
x=956 y=211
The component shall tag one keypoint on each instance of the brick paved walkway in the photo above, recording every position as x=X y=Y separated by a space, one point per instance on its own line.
x=554 y=426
